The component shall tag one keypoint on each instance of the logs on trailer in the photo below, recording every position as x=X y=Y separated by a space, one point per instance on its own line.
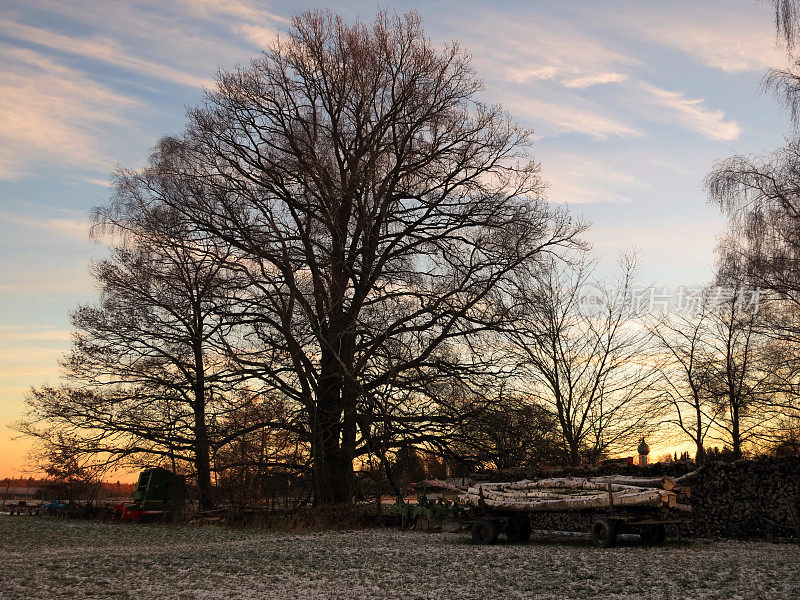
x=612 y=505
x=576 y=493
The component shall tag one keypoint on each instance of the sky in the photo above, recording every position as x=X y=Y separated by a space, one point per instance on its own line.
x=631 y=103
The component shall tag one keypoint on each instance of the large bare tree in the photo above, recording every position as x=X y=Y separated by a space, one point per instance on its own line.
x=761 y=248
x=742 y=369
x=375 y=206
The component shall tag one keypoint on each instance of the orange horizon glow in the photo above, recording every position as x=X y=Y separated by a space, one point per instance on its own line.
x=9 y=470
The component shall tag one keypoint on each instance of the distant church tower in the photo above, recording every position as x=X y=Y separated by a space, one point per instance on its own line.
x=644 y=450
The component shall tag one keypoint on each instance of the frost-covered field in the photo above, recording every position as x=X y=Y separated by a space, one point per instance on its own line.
x=49 y=559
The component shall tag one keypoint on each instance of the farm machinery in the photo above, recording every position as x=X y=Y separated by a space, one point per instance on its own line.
x=54 y=507
x=425 y=514
x=433 y=512
x=159 y=495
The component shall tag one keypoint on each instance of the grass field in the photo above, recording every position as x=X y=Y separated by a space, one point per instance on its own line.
x=43 y=558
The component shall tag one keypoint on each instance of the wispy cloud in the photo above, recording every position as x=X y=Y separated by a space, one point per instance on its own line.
x=576 y=179
x=9 y=165
x=237 y=9
x=549 y=118
x=257 y=35
x=97 y=181
x=193 y=37
x=597 y=79
x=54 y=114
x=676 y=243
x=74 y=228
x=690 y=113
x=41 y=281
x=33 y=333
x=40 y=363
x=740 y=37
x=522 y=74
x=538 y=66
x=544 y=47
x=103 y=49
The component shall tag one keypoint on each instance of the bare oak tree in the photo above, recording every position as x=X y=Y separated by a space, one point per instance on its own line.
x=375 y=205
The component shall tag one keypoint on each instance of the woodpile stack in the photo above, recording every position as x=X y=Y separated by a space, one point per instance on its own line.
x=748 y=498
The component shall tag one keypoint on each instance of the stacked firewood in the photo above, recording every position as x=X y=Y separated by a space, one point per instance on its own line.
x=747 y=498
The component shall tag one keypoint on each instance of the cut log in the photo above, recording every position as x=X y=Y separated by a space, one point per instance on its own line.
x=643 y=482
x=689 y=477
x=564 y=494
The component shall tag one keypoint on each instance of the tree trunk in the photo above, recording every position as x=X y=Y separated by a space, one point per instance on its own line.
x=202 y=463
x=332 y=464
x=574 y=453
x=735 y=433
x=700 y=453
x=202 y=458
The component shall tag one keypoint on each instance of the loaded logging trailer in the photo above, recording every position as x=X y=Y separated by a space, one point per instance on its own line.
x=605 y=506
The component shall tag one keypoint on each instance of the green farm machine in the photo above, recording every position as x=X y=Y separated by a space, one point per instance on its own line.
x=159 y=494
x=426 y=513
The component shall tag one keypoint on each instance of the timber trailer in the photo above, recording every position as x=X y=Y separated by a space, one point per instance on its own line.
x=603 y=507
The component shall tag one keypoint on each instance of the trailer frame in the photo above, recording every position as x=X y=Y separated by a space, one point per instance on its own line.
x=486 y=524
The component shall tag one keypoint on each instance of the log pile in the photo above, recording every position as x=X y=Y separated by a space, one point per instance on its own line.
x=757 y=498
x=748 y=498
x=576 y=493
x=672 y=469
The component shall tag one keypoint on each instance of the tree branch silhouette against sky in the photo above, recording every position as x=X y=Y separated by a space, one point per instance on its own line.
x=630 y=103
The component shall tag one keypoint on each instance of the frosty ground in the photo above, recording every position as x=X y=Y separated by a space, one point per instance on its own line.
x=56 y=558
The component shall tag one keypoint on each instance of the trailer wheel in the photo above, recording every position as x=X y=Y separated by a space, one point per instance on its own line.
x=485 y=531
x=604 y=533
x=653 y=534
x=519 y=528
